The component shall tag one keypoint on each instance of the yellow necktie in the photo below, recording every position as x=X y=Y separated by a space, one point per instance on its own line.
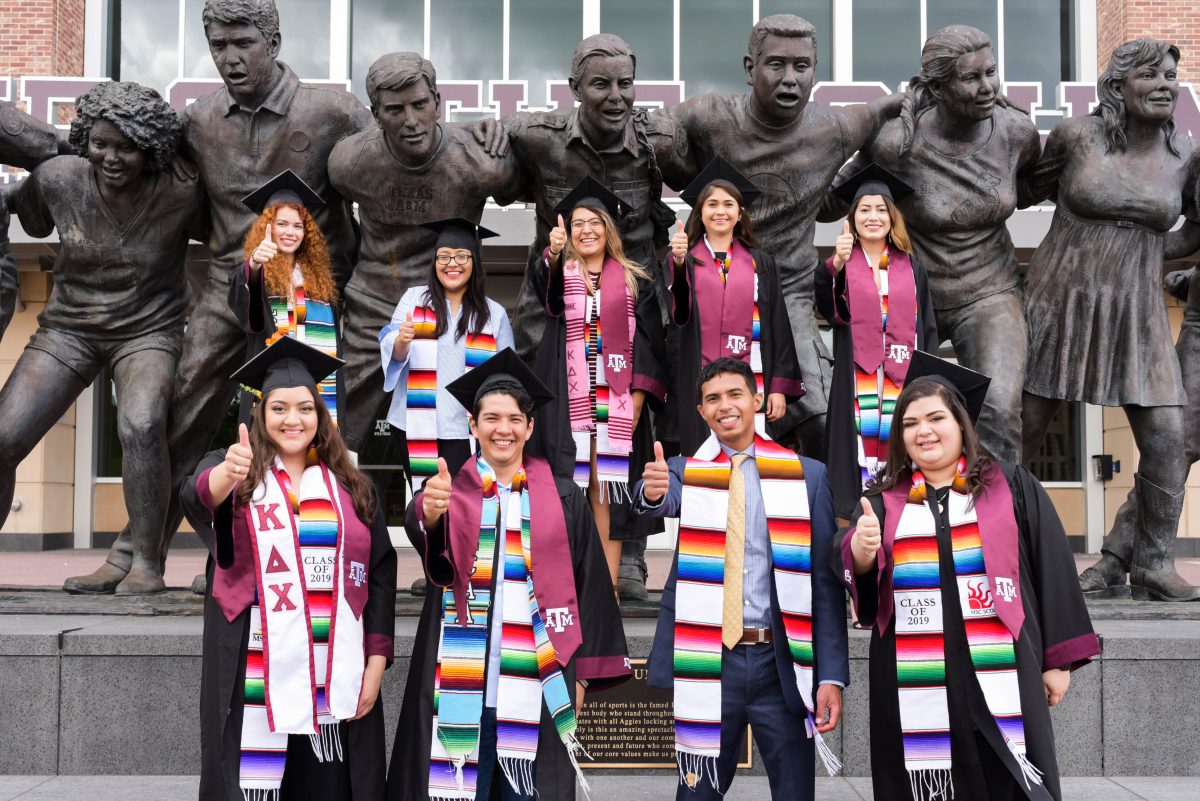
x=735 y=552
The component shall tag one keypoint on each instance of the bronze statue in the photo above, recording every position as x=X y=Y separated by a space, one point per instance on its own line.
x=260 y=123
x=792 y=151
x=968 y=155
x=123 y=218
x=1097 y=323
x=407 y=170
x=24 y=142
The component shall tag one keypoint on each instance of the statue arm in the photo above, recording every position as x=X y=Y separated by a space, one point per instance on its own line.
x=1184 y=242
x=29 y=204
x=9 y=286
x=861 y=122
x=833 y=208
x=1038 y=181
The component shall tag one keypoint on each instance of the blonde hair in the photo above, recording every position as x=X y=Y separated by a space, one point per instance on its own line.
x=613 y=248
x=897 y=236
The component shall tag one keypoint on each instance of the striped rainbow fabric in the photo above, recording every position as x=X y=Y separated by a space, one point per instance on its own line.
x=920 y=640
x=311 y=322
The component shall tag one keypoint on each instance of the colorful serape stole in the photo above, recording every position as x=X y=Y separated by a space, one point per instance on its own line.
x=756 y=365
x=327 y=668
x=529 y=670
x=421 y=389
x=920 y=640
x=875 y=397
x=594 y=414
x=699 y=593
x=311 y=322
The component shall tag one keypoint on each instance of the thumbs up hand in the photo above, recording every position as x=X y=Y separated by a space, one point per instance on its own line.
x=238 y=455
x=435 y=499
x=842 y=246
x=679 y=244
x=867 y=538
x=266 y=250
x=558 y=238
x=407 y=331
x=656 y=478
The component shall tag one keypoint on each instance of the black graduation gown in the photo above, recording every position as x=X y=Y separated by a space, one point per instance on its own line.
x=552 y=422
x=845 y=476
x=1055 y=616
x=778 y=348
x=603 y=636
x=223 y=675
x=251 y=305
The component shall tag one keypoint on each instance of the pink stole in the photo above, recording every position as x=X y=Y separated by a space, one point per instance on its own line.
x=732 y=331
x=873 y=345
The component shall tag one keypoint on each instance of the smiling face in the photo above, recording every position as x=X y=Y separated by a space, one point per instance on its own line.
x=409 y=119
x=454 y=276
x=782 y=78
x=117 y=161
x=290 y=419
x=502 y=430
x=288 y=229
x=588 y=234
x=720 y=213
x=244 y=59
x=871 y=219
x=1151 y=90
x=971 y=93
x=727 y=404
x=605 y=92
x=932 y=437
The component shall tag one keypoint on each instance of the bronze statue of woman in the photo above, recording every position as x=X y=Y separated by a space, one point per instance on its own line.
x=1098 y=326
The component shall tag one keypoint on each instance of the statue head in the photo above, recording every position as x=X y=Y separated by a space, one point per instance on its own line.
x=958 y=75
x=125 y=130
x=243 y=38
x=402 y=88
x=602 y=73
x=780 y=66
x=1140 y=82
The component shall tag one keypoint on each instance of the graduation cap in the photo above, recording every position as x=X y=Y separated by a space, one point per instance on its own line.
x=720 y=170
x=287 y=187
x=456 y=232
x=872 y=180
x=288 y=363
x=503 y=371
x=591 y=193
x=970 y=387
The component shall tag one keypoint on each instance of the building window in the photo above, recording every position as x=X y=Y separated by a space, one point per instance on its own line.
x=466 y=39
x=887 y=41
x=149 y=43
x=382 y=26
x=541 y=41
x=648 y=26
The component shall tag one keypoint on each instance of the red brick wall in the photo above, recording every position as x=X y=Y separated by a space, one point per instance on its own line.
x=1176 y=21
x=41 y=37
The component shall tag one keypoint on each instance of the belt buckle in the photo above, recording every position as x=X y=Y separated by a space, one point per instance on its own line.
x=759 y=636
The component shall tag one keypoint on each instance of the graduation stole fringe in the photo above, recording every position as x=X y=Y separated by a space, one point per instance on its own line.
x=421 y=391
x=305 y=658
x=529 y=671
x=920 y=651
x=699 y=595
x=596 y=410
x=309 y=321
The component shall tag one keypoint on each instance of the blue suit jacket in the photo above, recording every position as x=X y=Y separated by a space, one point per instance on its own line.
x=829 y=601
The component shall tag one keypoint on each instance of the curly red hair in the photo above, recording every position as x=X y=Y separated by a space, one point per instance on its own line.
x=312 y=256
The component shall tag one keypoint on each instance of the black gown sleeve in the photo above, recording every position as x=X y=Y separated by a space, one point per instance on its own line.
x=927 y=330
x=248 y=298
x=785 y=376
x=379 y=615
x=603 y=658
x=433 y=546
x=681 y=289
x=829 y=295
x=546 y=282
x=864 y=589
x=1068 y=640
x=213 y=526
x=649 y=346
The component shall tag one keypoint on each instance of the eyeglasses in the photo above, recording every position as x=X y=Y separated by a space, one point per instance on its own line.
x=595 y=224
x=461 y=259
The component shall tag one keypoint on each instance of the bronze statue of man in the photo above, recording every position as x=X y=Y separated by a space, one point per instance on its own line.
x=791 y=150
x=24 y=142
x=408 y=170
x=124 y=217
x=969 y=155
x=261 y=122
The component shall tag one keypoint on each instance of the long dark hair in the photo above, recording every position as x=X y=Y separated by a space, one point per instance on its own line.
x=1111 y=107
x=475 y=312
x=743 y=231
x=330 y=449
x=899 y=464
